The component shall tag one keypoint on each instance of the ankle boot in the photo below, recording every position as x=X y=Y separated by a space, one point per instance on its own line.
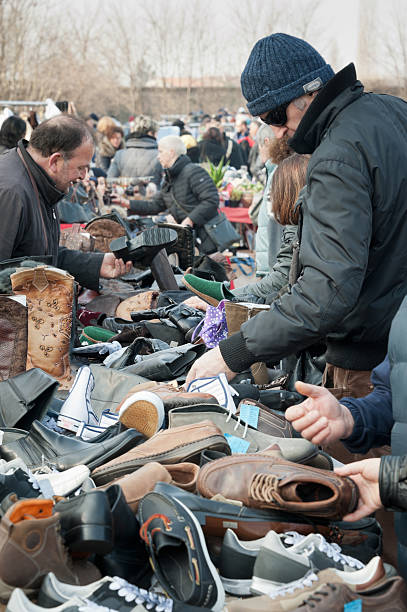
x=13 y=337
x=31 y=546
x=128 y=559
x=50 y=294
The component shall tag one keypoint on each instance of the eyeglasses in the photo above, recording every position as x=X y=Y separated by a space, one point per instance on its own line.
x=277 y=116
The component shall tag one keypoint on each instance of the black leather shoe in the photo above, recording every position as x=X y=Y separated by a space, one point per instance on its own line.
x=86 y=522
x=43 y=445
x=183 y=316
x=144 y=247
x=185 y=245
x=129 y=558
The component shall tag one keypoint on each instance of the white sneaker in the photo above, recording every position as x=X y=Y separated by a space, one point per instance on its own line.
x=77 y=407
x=62 y=483
x=144 y=411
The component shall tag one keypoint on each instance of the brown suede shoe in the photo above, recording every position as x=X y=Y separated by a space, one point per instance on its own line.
x=142 y=481
x=168 y=446
x=389 y=595
x=31 y=546
x=147 y=300
x=268 y=481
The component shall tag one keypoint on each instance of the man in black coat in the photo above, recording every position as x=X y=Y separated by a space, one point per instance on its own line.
x=188 y=193
x=353 y=258
x=34 y=177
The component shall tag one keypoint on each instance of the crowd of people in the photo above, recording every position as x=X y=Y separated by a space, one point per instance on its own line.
x=241 y=438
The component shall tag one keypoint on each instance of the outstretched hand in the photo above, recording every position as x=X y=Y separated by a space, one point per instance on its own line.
x=320 y=418
x=366 y=475
x=113 y=268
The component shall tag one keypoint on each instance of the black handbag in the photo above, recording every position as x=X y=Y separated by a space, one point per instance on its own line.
x=221 y=231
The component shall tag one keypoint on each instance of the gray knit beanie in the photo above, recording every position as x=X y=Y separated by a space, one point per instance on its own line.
x=281 y=68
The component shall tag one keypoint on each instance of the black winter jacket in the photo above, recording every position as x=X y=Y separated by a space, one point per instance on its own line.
x=190 y=186
x=21 y=228
x=353 y=251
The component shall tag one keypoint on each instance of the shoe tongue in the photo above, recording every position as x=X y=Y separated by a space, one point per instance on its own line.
x=162 y=540
x=289 y=492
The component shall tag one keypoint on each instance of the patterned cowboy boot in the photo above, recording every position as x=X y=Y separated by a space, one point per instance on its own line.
x=13 y=337
x=50 y=294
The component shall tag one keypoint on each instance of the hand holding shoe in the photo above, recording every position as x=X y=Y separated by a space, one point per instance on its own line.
x=320 y=418
x=196 y=302
x=113 y=268
x=366 y=475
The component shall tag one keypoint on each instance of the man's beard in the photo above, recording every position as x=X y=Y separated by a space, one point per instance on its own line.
x=279 y=149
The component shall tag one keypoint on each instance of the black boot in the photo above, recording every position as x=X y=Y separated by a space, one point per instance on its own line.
x=129 y=558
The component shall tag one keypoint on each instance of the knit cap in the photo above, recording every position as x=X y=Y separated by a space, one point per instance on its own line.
x=281 y=68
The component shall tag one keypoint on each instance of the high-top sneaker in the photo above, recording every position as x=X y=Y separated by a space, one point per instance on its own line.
x=31 y=546
x=13 y=337
x=77 y=408
x=49 y=293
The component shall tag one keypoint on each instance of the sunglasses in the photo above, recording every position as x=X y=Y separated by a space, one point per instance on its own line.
x=277 y=116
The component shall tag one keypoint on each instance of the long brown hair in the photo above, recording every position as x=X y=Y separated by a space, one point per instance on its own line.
x=288 y=180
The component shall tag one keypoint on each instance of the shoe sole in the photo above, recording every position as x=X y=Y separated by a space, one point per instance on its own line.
x=144 y=414
x=206 y=298
x=89 y=539
x=236 y=587
x=260 y=586
x=176 y=455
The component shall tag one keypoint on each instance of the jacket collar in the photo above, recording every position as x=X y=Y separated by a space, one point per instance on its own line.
x=341 y=90
x=49 y=192
x=142 y=142
x=177 y=166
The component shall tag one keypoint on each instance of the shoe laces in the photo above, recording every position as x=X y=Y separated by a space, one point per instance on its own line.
x=314 y=599
x=238 y=422
x=334 y=551
x=33 y=481
x=291 y=538
x=150 y=600
x=263 y=487
x=306 y=581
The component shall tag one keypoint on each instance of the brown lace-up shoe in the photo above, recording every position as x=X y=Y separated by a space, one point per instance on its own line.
x=268 y=481
x=168 y=446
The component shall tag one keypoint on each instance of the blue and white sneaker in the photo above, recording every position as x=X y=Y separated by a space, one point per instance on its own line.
x=77 y=407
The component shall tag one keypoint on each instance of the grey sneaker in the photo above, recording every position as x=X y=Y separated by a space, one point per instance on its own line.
x=277 y=565
x=114 y=593
x=295 y=449
x=19 y=602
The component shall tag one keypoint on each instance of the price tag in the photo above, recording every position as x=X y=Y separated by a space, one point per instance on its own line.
x=249 y=414
x=353 y=606
x=237 y=445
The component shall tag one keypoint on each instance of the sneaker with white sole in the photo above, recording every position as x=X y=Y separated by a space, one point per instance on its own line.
x=62 y=483
x=293 y=594
x=143 y=411
x=77 y=407
x=115 y=593
x=277 y=565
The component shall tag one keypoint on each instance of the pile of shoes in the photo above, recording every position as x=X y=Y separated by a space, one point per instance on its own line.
x=121 y=489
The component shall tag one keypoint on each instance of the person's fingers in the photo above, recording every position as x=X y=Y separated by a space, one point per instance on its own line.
x=350 y=468
x=359 y=513
x=307 y=420
x=310 y=390
x=295 y=412
x=313 y=429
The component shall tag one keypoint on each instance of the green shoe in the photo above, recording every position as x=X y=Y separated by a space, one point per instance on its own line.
x=209 y=291
x=93 y=335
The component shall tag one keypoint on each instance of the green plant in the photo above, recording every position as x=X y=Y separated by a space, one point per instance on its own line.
x=216 y=172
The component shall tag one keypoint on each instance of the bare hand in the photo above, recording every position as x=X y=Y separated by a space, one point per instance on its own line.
x=113 y=268
x=210 y=364
x=196 y=302
x=366 y=475
x=120 y=201
x=187 y=222
x=321 y=419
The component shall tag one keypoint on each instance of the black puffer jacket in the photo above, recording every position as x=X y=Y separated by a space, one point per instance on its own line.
x=353 y=251
x=191 y=187
x=139 y=158
x=22 y=231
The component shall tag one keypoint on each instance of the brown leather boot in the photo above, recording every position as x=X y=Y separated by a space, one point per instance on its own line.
x=31 y=546
x=13 y=337
x=50 y=293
